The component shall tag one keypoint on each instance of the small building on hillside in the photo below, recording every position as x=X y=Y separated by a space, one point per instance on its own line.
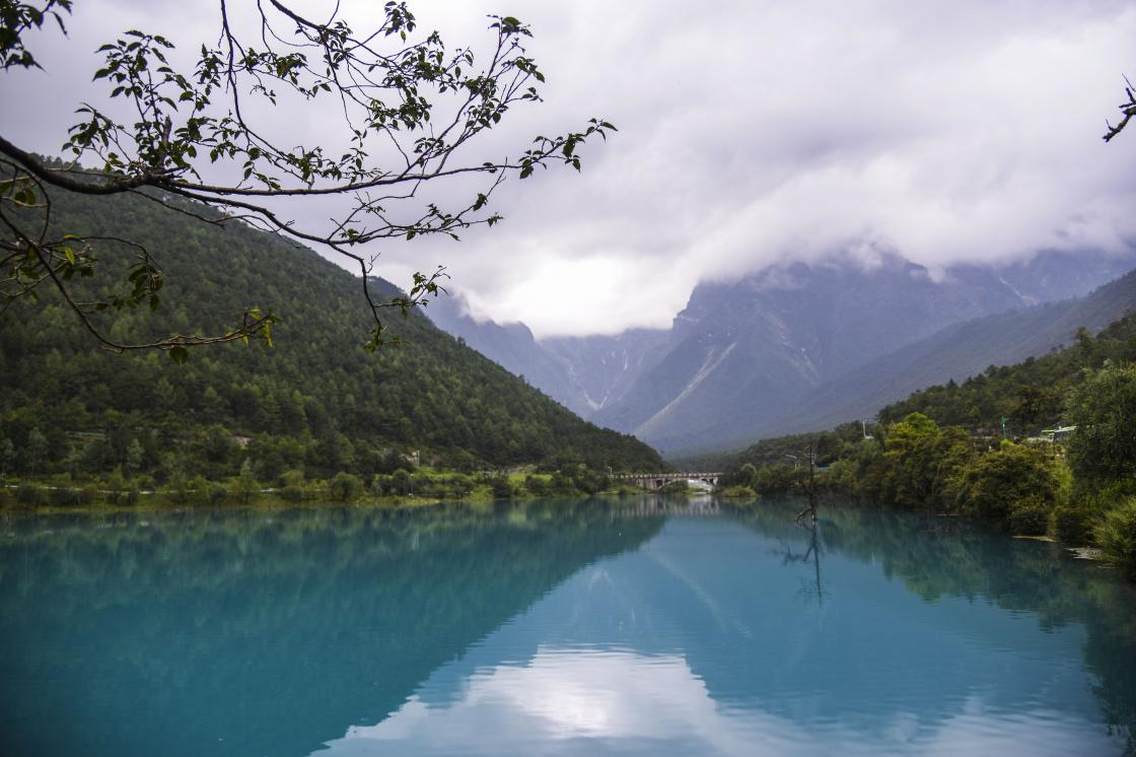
x=1057 y=435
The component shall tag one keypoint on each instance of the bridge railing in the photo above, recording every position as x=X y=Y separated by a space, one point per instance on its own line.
x=672 y=476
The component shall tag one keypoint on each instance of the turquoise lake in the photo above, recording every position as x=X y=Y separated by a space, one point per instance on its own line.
x=560 y=627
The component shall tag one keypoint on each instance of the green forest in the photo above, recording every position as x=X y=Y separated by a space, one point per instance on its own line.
x=312 y=405
x=943 y=449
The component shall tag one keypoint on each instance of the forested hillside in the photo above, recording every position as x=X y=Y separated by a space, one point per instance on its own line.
x=315 y=400
x=1029 y=395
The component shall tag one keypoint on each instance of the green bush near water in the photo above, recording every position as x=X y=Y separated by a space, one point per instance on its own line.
x=345 y=487
x=292 y=485
x=1013 y=487
x=64 y=496
x=738 y=491
x=1073 y=524
x=28 y=494
x=1116 y=536
x=1029 y=517
x=674 y=487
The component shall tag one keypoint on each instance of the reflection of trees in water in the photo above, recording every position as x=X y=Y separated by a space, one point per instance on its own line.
x=949 y=557
x=811 y=556
x=272 y=630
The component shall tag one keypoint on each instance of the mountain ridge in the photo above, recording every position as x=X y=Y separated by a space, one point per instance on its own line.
x=741 y=352
x=959 y=352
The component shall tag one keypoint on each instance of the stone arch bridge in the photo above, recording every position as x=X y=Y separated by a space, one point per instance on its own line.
x=653 y=481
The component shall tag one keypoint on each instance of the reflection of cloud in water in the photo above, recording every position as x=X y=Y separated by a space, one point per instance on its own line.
x=588 y=702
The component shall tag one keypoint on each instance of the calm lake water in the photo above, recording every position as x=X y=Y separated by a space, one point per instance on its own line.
x=563 y=627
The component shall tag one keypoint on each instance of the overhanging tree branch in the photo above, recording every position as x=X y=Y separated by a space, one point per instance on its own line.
x=1127 y=111
x=399 y=95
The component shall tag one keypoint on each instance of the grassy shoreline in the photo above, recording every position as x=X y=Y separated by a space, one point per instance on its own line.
x=314 y=497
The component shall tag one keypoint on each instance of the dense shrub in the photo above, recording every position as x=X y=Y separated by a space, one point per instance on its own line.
x=402 y=482
x=27 y=494
x=1029 y=517
x=674 y=487
x=921 y=463
x=455 y=486
x=461 y=484
x=1116 y=536
x=738 y=492
x=292 y=485
x=778 y=478
x=588 y=481
x=500 y=487
x=65 y=496
x=214 y=494
x=1073 y=525
x=245 y=486
x=538 y=486
x=399 y=484
x=840 y=476
x=345 y=487
x=1102 y=449
x=992 y=484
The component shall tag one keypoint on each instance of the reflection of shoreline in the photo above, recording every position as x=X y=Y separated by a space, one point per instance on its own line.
x=938 y=558
x=669 y=505
x=692 y=642
x=304 y=619
x=125 y=514
x=280 y=633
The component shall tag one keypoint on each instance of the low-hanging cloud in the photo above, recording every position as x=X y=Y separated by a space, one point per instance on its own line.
x=755 y=132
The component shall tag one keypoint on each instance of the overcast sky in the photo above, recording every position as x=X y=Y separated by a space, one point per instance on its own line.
x=750 y=132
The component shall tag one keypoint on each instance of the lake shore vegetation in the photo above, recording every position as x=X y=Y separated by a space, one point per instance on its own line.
x=1043 y=448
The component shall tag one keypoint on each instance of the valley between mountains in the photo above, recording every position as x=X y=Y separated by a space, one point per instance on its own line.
x=805 y=346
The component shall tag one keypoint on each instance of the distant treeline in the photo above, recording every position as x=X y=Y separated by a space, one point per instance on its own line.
x=404 y=485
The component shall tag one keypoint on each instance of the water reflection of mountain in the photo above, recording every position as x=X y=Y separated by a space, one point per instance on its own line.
x=246 y=633
x=920 y=635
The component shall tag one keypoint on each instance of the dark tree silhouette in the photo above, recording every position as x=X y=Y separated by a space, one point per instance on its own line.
x=1127 y=112
x=401 y=111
